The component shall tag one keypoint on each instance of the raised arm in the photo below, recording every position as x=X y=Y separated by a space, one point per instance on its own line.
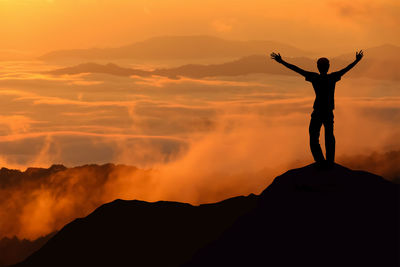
x=359 y=56
x=278 y=58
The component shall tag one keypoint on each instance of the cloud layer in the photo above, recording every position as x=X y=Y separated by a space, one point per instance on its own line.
x=193 y=140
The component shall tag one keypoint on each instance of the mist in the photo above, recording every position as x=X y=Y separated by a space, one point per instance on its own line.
x=189 y=140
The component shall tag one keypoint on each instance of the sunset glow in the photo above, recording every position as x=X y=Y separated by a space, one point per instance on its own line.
x=329 y=26
x=192 y=138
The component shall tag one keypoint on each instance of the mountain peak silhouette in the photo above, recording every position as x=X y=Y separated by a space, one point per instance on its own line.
x=307 y=216
x=336 y=179
x=382 y=63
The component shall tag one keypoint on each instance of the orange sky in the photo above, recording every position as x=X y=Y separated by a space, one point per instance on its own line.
x=177 y=129
x=37 y=26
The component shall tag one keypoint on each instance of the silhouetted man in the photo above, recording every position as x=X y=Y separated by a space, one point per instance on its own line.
x=324 y=87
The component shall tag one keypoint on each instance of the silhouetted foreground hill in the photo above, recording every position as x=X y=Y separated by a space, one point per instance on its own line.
x=305 y=217
x=312 y=217
x=136 y=232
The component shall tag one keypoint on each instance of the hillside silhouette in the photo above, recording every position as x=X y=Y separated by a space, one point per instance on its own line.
x=307 y=216
x=382 y=63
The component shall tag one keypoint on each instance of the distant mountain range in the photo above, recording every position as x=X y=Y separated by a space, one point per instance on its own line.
x=307 y=216
x=379 y=63
x=176 y=48
x=385 y=52
x=13 y=250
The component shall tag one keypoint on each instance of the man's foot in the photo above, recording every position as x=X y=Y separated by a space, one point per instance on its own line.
x=320 y=165
x=324 y=165
x=329 y=164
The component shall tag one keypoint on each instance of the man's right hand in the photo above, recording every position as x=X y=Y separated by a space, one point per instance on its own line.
x=359 y=55
x=277 y=57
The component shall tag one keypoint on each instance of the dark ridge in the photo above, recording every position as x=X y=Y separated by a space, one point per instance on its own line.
x=136 y=232
x=307 y=216
x=13 y=250
x=10 y=177
x=382 y=163
x=335 y=217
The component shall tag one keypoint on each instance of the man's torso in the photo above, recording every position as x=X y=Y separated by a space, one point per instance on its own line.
x=324 y=87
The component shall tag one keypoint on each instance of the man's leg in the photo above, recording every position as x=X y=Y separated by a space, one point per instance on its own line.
x=329 y=139
x=314 y=130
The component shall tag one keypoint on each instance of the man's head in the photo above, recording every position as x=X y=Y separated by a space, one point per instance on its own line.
x=323 y=65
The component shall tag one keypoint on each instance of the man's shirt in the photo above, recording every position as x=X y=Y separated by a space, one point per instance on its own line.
x=324 y=87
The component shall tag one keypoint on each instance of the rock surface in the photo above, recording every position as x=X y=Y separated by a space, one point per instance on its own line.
x=307 y=216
